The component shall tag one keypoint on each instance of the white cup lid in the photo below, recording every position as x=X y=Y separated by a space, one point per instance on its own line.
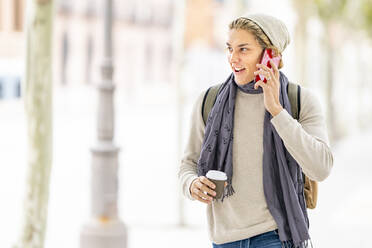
x=216 y=175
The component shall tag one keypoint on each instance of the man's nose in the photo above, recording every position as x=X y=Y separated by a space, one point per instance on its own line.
x=234 y=57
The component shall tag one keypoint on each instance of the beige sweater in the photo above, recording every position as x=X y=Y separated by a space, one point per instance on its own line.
x=245 y=214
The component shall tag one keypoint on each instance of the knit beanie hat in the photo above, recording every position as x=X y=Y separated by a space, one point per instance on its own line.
x=274 y=29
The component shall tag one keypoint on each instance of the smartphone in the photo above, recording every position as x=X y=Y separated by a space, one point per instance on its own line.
x=267 y=55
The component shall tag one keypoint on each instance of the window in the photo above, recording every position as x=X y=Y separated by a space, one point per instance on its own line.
x=168 y=60
x=64 y=6
x=149 y=58
x=64 y=57
x=18 y=88
x=89 y=59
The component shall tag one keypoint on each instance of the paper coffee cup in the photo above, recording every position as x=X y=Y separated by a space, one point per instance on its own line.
x=218 y=178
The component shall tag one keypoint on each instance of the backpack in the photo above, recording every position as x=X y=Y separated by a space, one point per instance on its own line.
x=310 y=186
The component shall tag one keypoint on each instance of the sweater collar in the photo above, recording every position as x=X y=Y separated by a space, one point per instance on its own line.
x=249 y=87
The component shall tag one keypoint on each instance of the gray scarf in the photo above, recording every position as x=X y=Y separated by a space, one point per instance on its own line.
x=282 y=176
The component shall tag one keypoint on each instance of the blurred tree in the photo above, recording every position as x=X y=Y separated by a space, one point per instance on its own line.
x=303 y=10
x=331 y=12
x=339 y=17
x=38 y=106
x=241 y=7
x=363 y=16
x=366 y=9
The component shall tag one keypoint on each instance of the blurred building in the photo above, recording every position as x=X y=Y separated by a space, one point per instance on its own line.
x=206 y=27
x=143 y=49
x=11 y=47
x=142 y=42
x=11 y=27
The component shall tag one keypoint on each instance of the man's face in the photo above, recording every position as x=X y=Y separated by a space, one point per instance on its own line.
x=243 y=53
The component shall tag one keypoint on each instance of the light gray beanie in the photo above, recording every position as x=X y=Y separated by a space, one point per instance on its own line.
x=274 y=29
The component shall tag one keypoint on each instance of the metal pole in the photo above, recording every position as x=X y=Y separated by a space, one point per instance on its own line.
x=105 y=229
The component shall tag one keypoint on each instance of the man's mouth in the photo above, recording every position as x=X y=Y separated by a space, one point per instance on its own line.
x=236 y=69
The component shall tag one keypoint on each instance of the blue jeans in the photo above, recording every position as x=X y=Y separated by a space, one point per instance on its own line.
x=264 y=240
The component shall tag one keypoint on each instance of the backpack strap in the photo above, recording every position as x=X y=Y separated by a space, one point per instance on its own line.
x=294 y=91
x=209 y=100
x=310 y=186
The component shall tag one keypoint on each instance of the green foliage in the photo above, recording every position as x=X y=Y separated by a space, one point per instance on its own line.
x=331 y=9
x=366 y=11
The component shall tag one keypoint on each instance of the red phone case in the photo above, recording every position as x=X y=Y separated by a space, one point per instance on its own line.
x=266 y=61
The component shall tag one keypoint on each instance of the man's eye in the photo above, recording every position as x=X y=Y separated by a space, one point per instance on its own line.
x=243 y=49
x=229 y=49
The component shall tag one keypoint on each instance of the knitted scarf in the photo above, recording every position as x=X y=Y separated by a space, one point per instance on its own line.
x=282 y=176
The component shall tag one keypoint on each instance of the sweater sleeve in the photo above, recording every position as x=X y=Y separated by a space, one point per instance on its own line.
x=187 y=172
x=307 y=140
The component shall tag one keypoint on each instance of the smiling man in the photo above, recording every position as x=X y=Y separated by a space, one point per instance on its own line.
x=251 y=135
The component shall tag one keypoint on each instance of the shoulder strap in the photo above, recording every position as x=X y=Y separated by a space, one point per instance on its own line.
x=294 y=91
x=310 y=187
x=209 y=100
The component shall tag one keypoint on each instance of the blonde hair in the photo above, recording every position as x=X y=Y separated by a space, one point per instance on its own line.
x=260 y=36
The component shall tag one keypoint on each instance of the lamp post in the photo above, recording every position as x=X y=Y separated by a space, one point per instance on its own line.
x=105 y=229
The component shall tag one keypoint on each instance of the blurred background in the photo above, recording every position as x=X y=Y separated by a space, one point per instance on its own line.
x=165 y=53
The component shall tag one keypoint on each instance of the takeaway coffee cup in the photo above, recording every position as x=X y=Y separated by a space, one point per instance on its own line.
x=218 y=178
